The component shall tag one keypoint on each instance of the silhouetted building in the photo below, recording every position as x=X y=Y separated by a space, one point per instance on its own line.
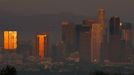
x=88 y=22
x=68 y=36
x=114 y=39
x=58 y=52
x=126 y=44
x=83 y=40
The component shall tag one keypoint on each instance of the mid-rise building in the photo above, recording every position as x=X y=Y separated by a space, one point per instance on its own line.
x=10 y=40
x=43 y=46
x=84 y=45
x=68 y=36
x=126 y=44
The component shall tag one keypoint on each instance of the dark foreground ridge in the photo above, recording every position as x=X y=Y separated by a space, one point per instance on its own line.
x=10 y=70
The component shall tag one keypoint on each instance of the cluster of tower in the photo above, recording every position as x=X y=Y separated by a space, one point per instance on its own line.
x=98 y=42
x=95 y=40
x=87 y=38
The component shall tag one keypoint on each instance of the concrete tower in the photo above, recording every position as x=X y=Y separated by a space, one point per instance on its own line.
x=43 y=46
x=114 y=40
x=96 y=42
x=101 y=16
x=68 y=36
x=84 y=45
x=126 y=44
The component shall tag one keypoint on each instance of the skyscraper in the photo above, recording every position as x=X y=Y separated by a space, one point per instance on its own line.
x=42 y=46
x=126 y=44
x=96 y=42
x=114 y=25
x=84 y=39
x=114 y=39
x=68 y=36
x=98 y=37
x=103 y=28
x=101 y=16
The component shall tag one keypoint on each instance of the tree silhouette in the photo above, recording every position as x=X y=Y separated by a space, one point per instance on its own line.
x=8 y=70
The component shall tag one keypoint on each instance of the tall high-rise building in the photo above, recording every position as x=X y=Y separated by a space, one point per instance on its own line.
x=101 y=16
x=126 y=44
x=84 y=45
x=114 y=25
x=96 y=42
x=10 y=40
x=114 y=40
x=68 y=36
x=104 y=31
x=43 y=45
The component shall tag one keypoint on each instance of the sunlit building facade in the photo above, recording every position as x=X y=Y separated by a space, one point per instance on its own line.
x=101 y=18
x=96 y=42
x=104 y=31
x=10 y=40
x=42 y=45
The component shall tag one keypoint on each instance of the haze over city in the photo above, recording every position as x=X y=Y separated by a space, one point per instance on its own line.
x=78 y=36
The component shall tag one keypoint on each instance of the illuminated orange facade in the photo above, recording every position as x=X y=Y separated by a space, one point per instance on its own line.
x=96 y=41
x=42 y=45
x=101 y=16
x=10 y=40
x=101 y=20
x=105 y=34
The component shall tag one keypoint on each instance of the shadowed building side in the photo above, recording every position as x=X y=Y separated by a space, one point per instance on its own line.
x=126 y=44
x=84 y=45
x=115 y=51
x=68 y=37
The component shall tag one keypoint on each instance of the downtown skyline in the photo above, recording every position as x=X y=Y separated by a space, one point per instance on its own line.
x=96 y=41
x=49 y=23
x=47 y=15
x=67 y=35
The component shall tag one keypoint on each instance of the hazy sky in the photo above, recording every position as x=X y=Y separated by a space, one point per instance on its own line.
x=123 y=8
